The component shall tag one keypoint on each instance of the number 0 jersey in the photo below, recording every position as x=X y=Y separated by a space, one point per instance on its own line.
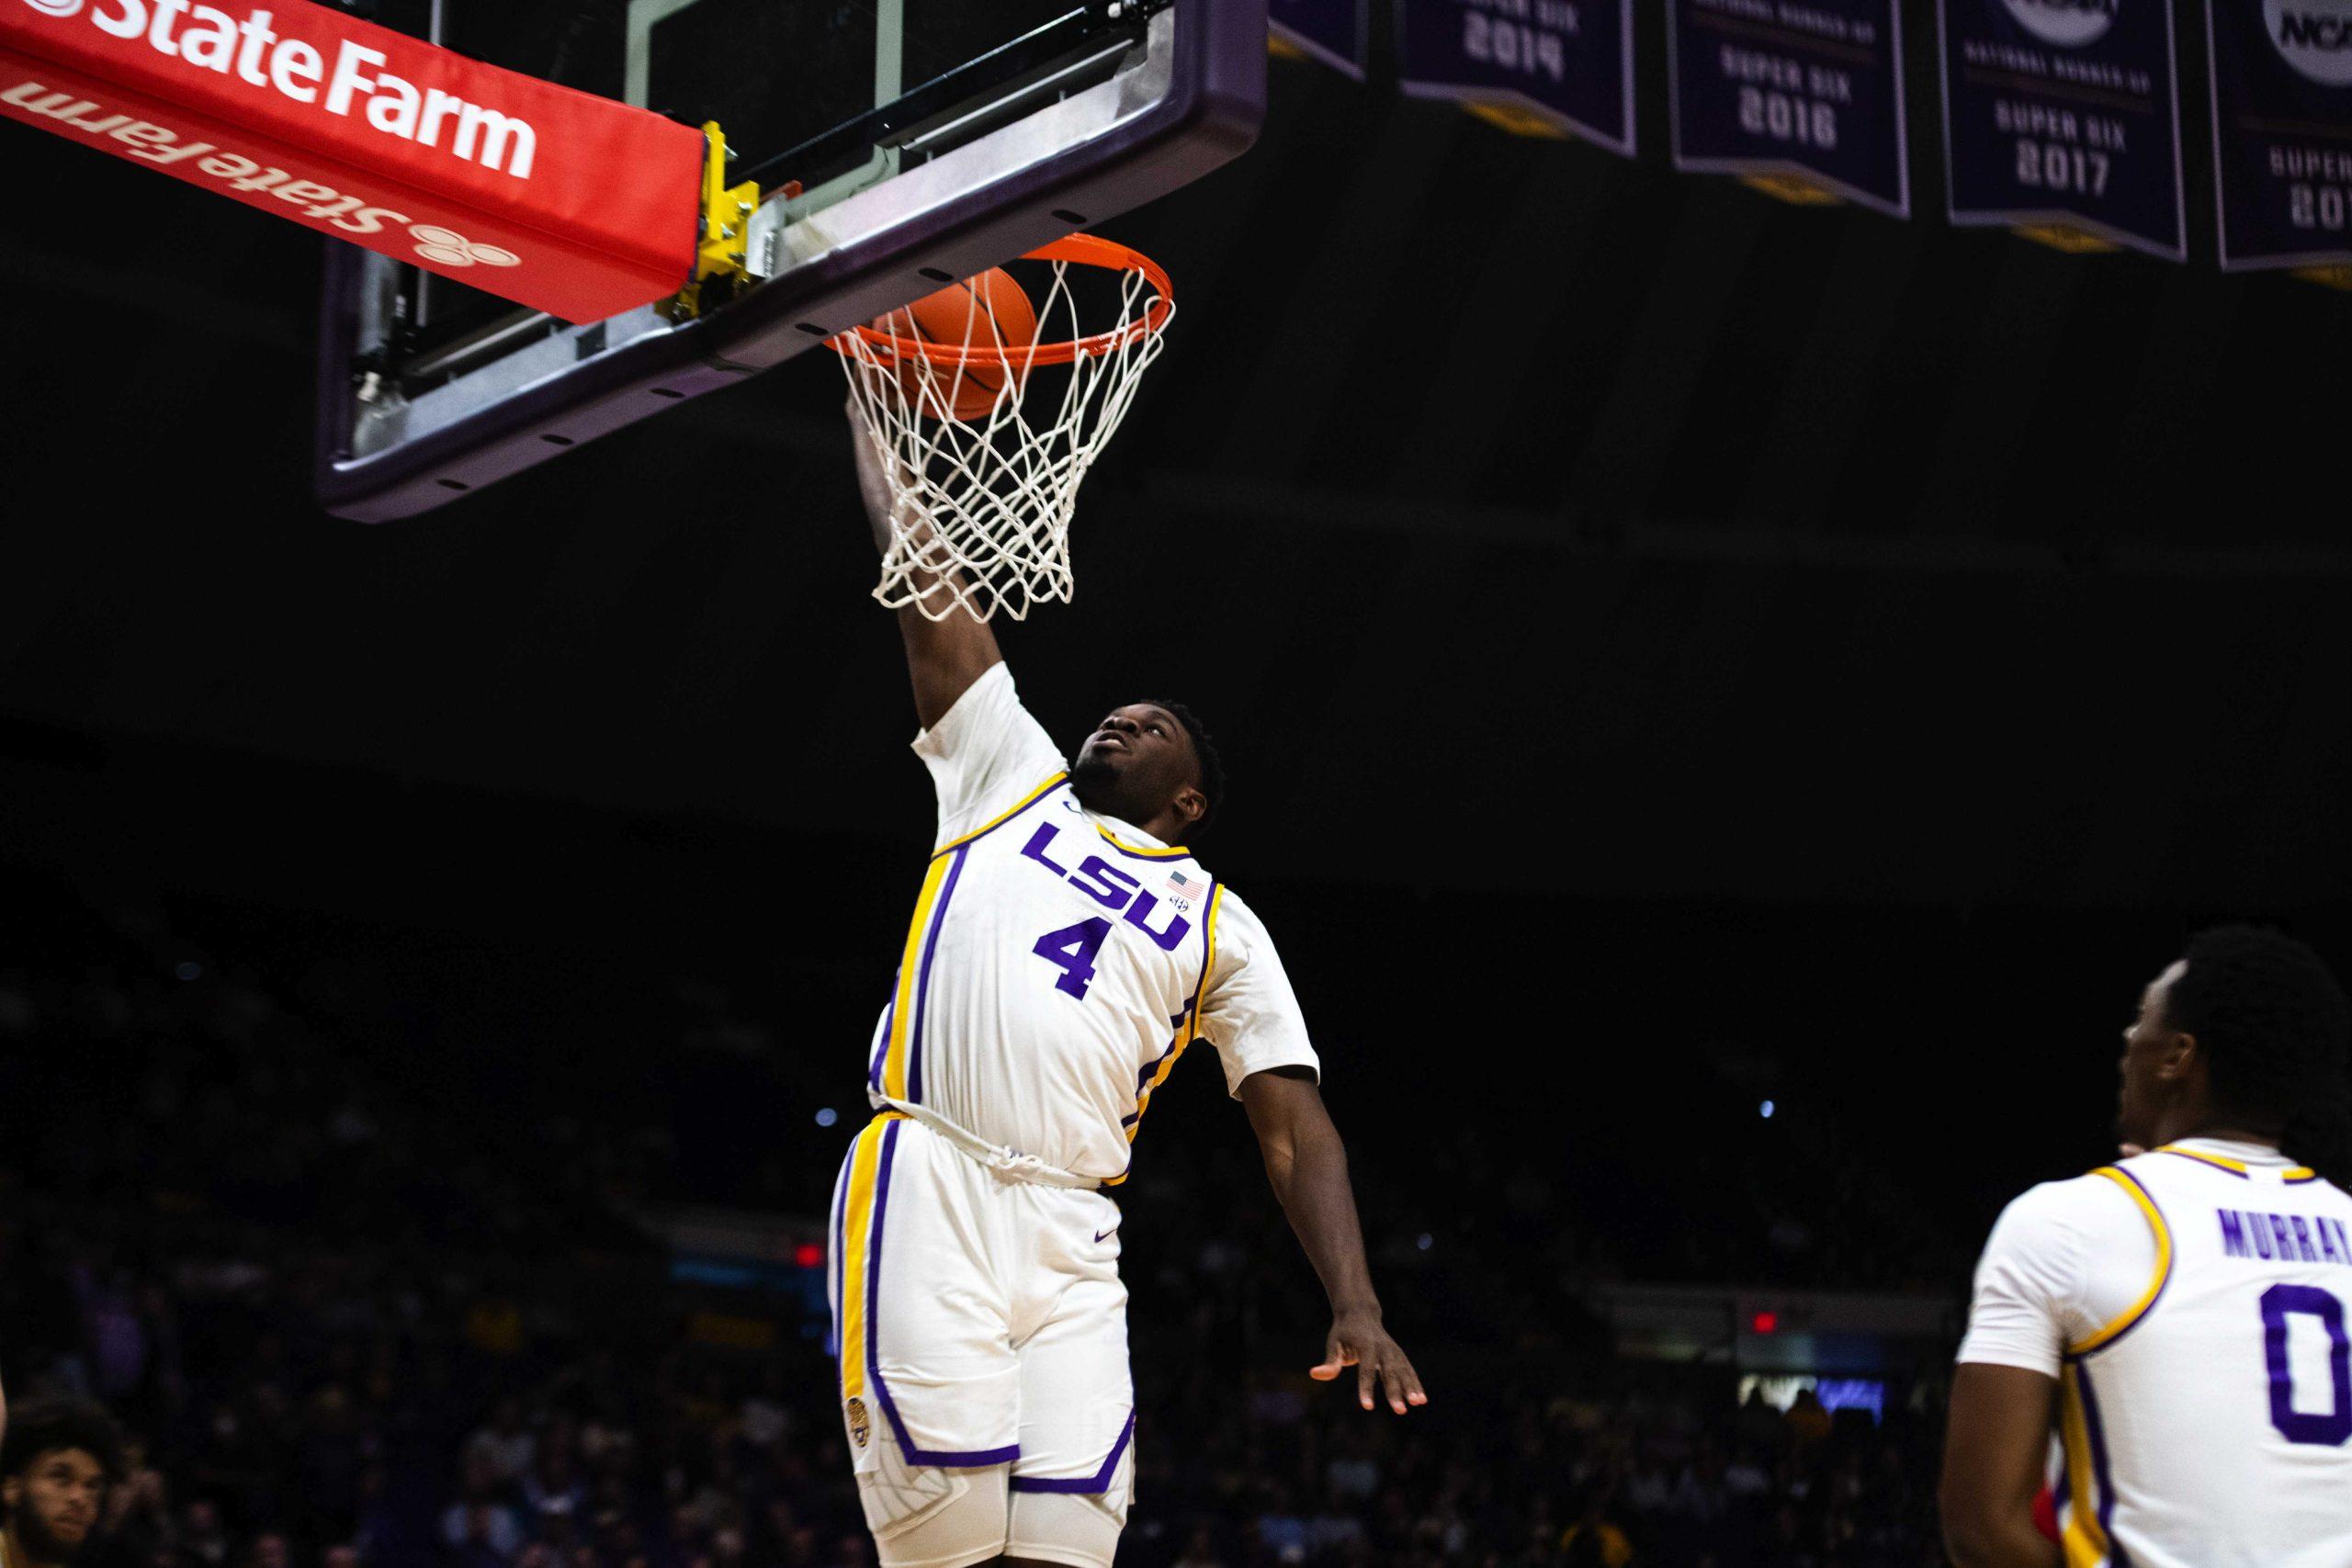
x=1059 y=962
x=2192 y=1302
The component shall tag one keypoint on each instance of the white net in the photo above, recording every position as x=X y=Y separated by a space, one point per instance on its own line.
x=983 y=501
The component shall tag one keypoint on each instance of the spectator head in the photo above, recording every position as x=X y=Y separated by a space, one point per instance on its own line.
x=55 y=1466
x=271 y=1550
x=340 y=1557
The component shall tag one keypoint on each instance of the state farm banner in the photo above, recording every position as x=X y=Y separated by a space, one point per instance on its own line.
x=1563 y=64
x=2282 y=130
x=1808 y=87
x=2066 y=113
x=1330 y=31
x=566 y=202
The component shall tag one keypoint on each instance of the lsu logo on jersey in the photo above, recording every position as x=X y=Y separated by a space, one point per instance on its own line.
x=860 y=1427
x=1122 y=894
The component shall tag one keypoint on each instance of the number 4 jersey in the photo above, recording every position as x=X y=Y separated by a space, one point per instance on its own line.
x=1059 y=962
x=2192 y=1303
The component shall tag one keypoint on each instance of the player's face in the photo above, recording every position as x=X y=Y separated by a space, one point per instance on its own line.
x=1138 y=756
x=55 y=1504
x=2148 y=1042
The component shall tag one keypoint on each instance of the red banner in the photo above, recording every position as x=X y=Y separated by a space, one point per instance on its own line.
x=567 y=202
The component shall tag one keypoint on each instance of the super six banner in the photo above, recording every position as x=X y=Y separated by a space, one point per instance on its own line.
x=1567 y=64
x=1811 y=88
x=2065 y=114
x=2282 y=130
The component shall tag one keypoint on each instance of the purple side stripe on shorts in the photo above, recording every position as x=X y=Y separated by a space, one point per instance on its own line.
x=914 y=1455
x=1098 y=1481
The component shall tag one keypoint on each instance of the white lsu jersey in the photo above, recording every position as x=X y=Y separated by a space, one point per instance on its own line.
x=1059 y=962
x=2192 y=1302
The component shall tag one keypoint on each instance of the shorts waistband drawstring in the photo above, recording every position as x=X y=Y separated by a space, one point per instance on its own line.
x=1010 y=1164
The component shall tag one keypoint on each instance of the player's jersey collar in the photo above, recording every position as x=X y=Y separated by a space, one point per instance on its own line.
x=1127 y=835
x=2231 y=1149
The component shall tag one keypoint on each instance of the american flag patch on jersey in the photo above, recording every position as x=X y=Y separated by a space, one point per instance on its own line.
x=1184 y=889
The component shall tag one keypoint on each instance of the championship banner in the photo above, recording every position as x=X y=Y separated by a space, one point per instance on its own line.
x=1538 y=67
x=1803 y=99
x=2062 y=119
x=1329 y=31
x=568 y=203
x=2282 y=132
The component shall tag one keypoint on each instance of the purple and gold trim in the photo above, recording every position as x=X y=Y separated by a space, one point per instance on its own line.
x=2236 y=1167
x=2086 y=1530
x=897 y=1071
x=1188 y=1027
x=2124 y=1322
x=990 y=825
x=858 y=1223
x=1174 y=851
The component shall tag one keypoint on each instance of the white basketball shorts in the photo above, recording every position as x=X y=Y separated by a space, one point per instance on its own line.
x=981 y=1322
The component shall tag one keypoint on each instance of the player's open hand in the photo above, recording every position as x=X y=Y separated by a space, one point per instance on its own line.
x=1358 y=1340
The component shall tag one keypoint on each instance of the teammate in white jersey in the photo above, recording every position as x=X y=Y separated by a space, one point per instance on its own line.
x=2180 y=1317
x=1065 y=951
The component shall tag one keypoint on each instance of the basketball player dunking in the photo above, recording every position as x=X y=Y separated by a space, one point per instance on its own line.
x=1065 y=950
x=2178 y=1317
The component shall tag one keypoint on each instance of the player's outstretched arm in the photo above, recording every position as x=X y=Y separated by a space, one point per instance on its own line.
x=1309 y=1166
x=1994 y=1453
x=944 y=657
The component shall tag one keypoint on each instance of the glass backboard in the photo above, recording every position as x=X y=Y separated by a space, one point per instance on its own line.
x=899 y=144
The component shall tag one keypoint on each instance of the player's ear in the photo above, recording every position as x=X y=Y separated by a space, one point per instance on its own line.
x=1192 y=804
x=2180 y=1057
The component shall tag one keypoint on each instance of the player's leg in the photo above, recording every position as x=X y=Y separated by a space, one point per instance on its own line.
x=1075 y=1478
x=930 y=1384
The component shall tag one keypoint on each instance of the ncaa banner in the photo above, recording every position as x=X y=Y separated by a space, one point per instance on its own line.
x=1771 y=88
x=2062 y=117
x=566 y=202
x=1539 y=67
x=1329 y=31
x=2282 y=130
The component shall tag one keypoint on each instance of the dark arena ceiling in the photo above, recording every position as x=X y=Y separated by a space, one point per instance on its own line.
x=1524 y=519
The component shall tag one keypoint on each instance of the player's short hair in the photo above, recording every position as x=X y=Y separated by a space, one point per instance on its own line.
x=1212 y=764
x=42 y=1426
x=2277 y=1033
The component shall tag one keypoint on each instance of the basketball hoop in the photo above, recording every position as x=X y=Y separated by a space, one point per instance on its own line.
x=986 y=439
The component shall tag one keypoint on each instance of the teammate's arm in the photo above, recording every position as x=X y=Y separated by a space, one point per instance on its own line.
x=1994 y=1454
x=944 y=657
x=1308 y=1167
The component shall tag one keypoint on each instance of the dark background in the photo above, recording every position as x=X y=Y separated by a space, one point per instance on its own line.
x=1670 y=646
x=1675 y=652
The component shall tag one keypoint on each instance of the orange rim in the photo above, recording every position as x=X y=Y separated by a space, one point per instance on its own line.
x=1084 y=249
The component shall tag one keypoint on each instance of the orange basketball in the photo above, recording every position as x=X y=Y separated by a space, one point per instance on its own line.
x=990 y=312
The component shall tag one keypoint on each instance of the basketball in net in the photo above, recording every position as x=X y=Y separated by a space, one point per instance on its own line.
x=988 y=401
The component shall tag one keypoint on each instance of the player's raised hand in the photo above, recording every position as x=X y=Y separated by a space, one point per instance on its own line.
x=1358 y=1340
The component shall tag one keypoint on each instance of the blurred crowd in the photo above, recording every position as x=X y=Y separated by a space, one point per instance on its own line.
x=354 y=1310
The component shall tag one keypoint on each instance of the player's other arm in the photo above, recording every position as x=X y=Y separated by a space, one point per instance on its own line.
x=2028 y=1300
x=944 y=657
x=1308 y=1167
x=1994 y=1453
